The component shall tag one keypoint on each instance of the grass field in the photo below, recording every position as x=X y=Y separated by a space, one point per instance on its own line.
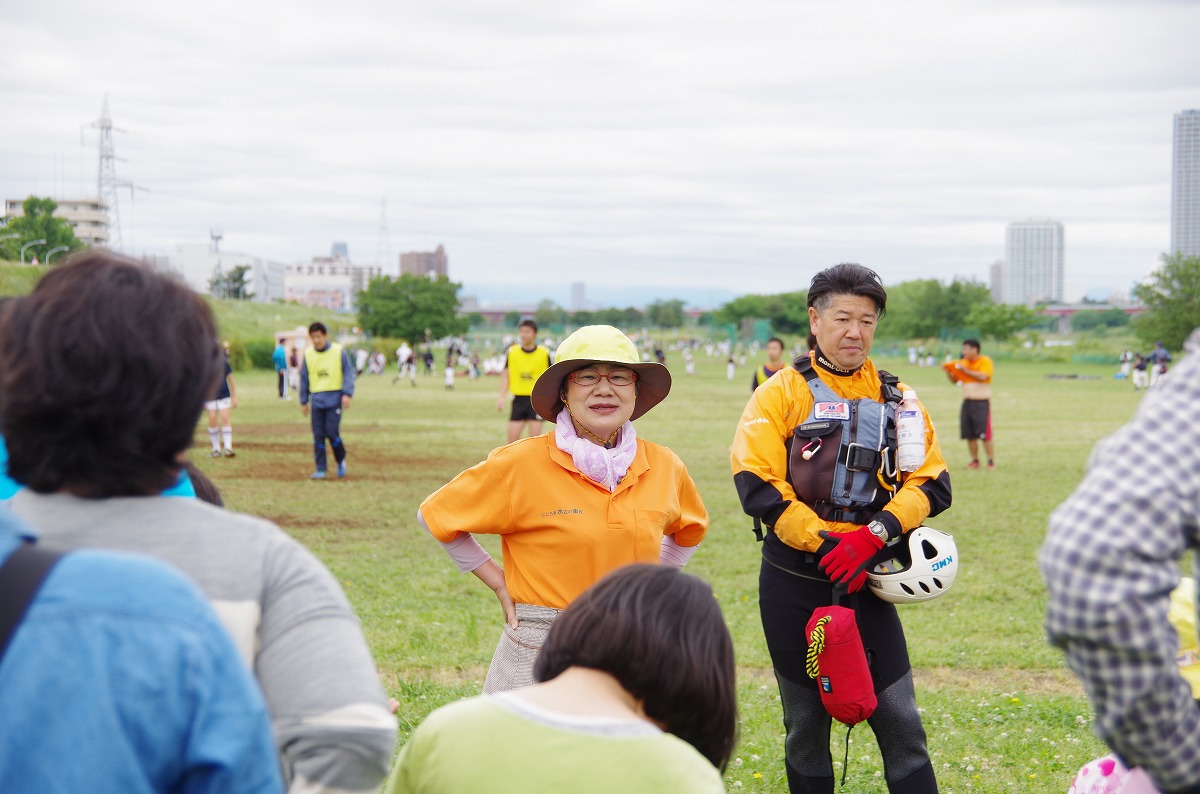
x=1002 y=711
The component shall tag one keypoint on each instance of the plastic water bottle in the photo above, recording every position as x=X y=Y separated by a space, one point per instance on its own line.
x=910 y=433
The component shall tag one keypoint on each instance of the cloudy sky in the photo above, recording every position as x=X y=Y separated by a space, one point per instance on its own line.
x=700 y=144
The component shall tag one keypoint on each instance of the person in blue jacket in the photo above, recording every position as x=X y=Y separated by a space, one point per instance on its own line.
x=119 y=678
x=327 y=376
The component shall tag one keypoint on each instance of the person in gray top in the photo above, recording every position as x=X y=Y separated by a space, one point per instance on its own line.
x=97 y=420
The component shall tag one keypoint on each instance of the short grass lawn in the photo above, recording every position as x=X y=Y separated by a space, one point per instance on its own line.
x=1002 y=712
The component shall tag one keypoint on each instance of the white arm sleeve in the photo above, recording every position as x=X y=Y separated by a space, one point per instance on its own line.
x=671 y=553
x=464 y=550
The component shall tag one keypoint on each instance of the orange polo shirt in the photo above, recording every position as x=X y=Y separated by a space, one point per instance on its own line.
x=561 y=532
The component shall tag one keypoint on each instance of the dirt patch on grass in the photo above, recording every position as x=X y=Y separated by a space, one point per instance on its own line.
x=294 y=522
x=256 y=431
x=259 y=430
x=362 y=464
x=276 y=447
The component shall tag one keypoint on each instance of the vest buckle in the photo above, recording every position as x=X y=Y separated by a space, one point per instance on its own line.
x=862 y=458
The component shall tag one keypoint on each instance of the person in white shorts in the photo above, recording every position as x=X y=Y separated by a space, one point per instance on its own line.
x=220 y=405
x=406 y=365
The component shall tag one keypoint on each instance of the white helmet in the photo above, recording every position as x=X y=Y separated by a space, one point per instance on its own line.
x=917 y=566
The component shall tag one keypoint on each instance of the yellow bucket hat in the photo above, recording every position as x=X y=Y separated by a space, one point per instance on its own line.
x=599 y=344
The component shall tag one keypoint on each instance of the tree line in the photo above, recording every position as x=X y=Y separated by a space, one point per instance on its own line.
x=416 y=307
x=918 y=309
x=37 y=223
x=923 y=308
x=659 y=314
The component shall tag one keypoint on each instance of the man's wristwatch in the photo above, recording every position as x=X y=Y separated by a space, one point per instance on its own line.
x=879 y=530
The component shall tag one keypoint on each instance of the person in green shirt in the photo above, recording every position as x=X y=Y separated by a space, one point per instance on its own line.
x=634 y=697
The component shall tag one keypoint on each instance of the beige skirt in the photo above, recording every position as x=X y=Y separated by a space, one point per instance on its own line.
x=512 y=664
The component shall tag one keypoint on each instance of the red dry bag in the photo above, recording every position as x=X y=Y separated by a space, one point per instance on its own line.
x=837 y=661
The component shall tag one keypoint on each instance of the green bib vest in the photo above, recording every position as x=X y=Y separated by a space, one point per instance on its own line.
x=324 y=368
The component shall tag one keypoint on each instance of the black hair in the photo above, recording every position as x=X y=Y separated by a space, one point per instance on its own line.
x=312 y=329
x=104 y=370
x=527 y=323
x=973 y=343
x=776 y=339
x=206 y=489
x=660 y=633
x=848 y=278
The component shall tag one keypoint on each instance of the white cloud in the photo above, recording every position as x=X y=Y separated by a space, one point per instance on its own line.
x=741 y=145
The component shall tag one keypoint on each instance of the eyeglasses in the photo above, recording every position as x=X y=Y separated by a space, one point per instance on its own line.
x=590 y=377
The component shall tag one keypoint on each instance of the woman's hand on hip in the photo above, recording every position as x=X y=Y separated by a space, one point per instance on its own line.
x=492 y=575
x=506 y=603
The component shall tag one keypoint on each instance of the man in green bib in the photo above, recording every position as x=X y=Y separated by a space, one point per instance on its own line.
x=327 y=375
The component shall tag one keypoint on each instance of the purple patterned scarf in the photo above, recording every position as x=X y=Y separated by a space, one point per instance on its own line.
x=602 y=466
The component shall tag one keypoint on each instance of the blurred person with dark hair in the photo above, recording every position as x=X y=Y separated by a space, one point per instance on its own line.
x=830 y=418
x=97 y=421
x=773 y=364
x=634 y=696
x=220 y=430
x=327 y=377
x=118 y=677
x=1158 y=358
x=203 y=488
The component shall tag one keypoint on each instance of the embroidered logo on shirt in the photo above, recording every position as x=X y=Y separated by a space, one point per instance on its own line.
x=564 y=511
x=829 y=365
x=831 y=411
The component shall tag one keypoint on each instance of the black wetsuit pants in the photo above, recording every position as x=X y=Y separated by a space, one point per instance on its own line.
x=791 y=587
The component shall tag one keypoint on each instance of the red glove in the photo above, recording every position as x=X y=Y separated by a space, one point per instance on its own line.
x=846 y=562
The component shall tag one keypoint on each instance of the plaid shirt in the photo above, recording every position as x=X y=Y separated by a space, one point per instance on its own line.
x=1111 y=560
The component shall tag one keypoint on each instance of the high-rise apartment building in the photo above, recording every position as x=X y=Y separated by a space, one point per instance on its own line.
x=1033 y=258
x=425 y=263
x=996 y=280
x=1185 y=184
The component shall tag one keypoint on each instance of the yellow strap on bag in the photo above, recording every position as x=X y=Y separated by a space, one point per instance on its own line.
x=816 y=644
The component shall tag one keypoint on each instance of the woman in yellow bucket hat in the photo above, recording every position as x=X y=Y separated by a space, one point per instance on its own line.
x=573 y=504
